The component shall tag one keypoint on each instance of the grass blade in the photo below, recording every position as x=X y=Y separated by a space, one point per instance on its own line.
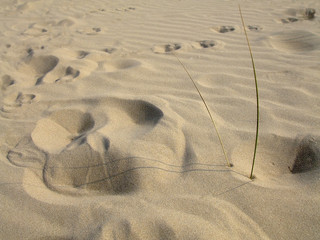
x=257 y=94
x=205 y=104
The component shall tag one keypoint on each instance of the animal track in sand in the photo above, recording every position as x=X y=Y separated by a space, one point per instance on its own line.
x=125 y=9
x=255 y=28
x=299 y=15
x=90 y=30
x=289 y=20
x=70 y=74
x=168 y=48
x=47 y=68
x=41 y=65
x=36 y=30
x=76 y=151
x=204 y=44
x=109 y=50
x=13 y=101
x=224 y=29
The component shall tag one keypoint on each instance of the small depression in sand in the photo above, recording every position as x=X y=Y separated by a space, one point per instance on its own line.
x=295 y=41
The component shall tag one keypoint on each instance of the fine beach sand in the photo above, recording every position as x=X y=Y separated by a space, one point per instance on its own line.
x=103 y=135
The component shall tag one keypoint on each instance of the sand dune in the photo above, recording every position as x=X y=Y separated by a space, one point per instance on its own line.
x=103 y=135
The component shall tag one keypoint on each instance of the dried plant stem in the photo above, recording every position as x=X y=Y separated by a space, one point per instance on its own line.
x=257 y=94
x=205 y=104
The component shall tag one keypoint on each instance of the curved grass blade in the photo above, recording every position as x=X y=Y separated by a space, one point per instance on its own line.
x=257 y=94
x=205 y=104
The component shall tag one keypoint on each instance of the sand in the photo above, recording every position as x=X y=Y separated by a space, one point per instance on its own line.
x=104 y=136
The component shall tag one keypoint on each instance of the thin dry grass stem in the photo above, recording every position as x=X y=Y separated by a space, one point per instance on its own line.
x=257 y=94
x=205 y=104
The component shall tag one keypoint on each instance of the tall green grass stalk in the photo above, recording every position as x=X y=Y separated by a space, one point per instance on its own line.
x=205 y=104
x=257 y=94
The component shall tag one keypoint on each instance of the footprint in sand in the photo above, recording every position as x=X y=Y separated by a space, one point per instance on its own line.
x=14 y=101
x=102 y=62
x=254 y=28
x=224 y=29
x=169 y=48
x=37 y=30
x=125 y=9
x=299 y=15
x=289 y=20
x=90 y=30
x=109 y=50
x=70 y=74
x=166 y=48
x=204 y=44
x=40 y=66
x=76 y=151
x=47 y=68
